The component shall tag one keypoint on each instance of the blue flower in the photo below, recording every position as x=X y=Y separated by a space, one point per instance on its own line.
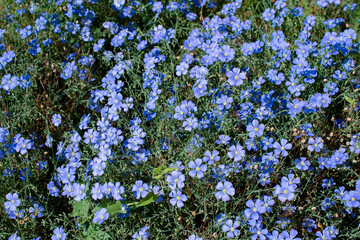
x=224 y=102
x=96 y=192
x=78 y=191
x=176 y=179
x=235 y=77
x=157 y=7
x=302 y=164
x=14 y=237
x=191 y=16
x=237 y=152
x=322 y=3
x=223 y=139
x=54 y=191
x=226 y=189
x=141 y=45
x=142 y=234
x=282 y=148
x=287 y=188
x=316 y=144
x=8 y=82
x=194 y=237
x=99 y=45
x=268 y=14
x=198 y=169
x=226 y=54
x=190 y=123
x=59 y=234
x=254 y=129
x=36 y=210
x=289 y=236
x=126 y=208
x=177 y=198
x=56 y=119
x=182 y=69
x=211 y=157
x=352 y=199
x=101 y=216
x=280 y=4
x=140 y=189
x=230 y=228
x=23 y=145
x=119 y=3
x=13 y=201
x=259 y=231
x=254 y=209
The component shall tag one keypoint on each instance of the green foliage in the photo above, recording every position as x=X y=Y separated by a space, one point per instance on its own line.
x=28 y=111
x=161 y=171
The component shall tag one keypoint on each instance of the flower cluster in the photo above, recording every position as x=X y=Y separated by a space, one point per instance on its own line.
x=176 y=112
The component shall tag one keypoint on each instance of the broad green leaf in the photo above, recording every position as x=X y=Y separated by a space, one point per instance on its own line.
x=102 y=235
x=158 y=170
x=81 y=209
x=115 y=208
x=163 y=172
x=93 y=233
x=150 y=197
x=96 y=209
